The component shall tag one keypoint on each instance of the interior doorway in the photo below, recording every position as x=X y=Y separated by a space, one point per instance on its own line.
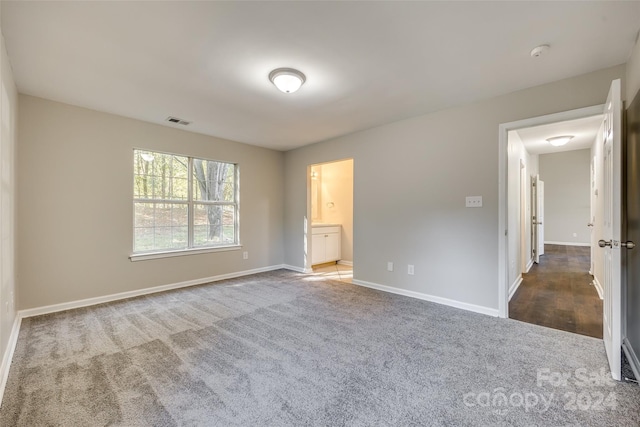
x=549 y=195
x=330 y=234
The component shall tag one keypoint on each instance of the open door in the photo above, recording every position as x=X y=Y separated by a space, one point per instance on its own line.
x=612 y=191
x=537 y=219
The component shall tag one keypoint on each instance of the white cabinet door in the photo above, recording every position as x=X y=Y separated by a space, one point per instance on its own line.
x=318 y=250
x=325 y=244
x=332 y=248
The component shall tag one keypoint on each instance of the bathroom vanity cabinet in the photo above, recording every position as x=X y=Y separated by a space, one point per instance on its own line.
x=325 y=243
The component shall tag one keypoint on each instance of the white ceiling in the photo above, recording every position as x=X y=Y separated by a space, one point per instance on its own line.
x=584 y=133
x=367 y=63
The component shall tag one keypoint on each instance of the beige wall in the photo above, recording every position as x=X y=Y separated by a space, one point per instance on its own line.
x=567 y=202
x=336 y=201
x=410 y=186
x=75 y=203
x=8 y=120
x=633 y=73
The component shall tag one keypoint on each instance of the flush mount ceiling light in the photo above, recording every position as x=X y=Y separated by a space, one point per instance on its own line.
x=558 y=141
x=287 y=80
x=539 y=50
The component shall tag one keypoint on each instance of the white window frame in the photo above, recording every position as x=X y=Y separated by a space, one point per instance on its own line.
x=190 y=202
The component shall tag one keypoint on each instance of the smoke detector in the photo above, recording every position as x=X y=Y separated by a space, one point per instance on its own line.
x=539 y=50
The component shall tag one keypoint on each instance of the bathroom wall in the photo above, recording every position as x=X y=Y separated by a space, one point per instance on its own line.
x=334 y=202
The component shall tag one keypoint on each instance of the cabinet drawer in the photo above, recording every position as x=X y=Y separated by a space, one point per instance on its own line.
x=324 y=230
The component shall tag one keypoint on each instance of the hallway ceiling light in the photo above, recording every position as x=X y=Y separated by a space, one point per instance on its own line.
x=288 y=80
x=558 y=141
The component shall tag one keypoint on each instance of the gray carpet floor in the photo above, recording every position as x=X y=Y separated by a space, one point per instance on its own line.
x=282 y=348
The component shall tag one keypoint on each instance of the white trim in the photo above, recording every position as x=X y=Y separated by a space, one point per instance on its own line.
x=632 y=357
x=298 y=269
x=8 y=354
x=146 y=291
x=343 y=262
x=567 y=243
x=503 y=222
x=439 y=300
x=529 y=265
x=598 y=287
x=182 y=252
x=503 y=130
x=514 y=286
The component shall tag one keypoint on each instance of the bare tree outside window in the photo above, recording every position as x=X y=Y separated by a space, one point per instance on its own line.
x=182 y=202
x=214 y=182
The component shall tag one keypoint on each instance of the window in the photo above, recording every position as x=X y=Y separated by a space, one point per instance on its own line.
x=183 y=203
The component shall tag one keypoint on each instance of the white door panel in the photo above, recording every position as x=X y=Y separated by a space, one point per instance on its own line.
x=612 y=190
x=540 y=216
x=537 y=217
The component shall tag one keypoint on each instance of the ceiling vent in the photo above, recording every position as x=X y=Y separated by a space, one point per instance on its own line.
x=178 y=121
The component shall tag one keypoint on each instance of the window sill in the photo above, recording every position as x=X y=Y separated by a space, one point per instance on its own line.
x=182 y=252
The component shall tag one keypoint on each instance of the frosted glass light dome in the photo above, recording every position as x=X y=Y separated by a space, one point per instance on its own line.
x=558 y=141
x=287 y=80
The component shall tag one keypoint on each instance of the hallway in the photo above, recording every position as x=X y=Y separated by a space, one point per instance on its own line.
x=558 y=293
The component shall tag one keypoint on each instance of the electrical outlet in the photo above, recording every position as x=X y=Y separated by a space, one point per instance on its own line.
x=410 y=270
x=389 y=266
x=245 y=255
x=575 y=234
x=473 y=202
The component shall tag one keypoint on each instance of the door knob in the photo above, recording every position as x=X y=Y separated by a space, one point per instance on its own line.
x=603 y=243
x=628 y=245
x=590 y=224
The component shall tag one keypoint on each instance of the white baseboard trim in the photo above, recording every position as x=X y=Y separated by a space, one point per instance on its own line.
x=529 y=265
x=8 y=354
x=439 y=300
x=632 y=357
x=598 y=287
x=567 y=243
x=139 y=292
x=298 y=269
x=514 y=286
x=343 y=262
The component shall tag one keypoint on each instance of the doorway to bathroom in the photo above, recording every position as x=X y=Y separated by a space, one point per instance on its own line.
x=331 y=214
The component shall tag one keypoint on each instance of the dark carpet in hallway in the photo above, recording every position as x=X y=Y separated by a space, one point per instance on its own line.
x=558 y=293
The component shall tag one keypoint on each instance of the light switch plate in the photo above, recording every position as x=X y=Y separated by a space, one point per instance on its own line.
x=473 y=202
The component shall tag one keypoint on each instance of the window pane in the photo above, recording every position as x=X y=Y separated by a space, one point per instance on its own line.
x=213 y=181
x=162 y=204
x=160 y=226
x=213 y=225
x=160 y=176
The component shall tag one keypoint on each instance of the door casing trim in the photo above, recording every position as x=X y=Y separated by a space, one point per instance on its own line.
x=503 y=130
